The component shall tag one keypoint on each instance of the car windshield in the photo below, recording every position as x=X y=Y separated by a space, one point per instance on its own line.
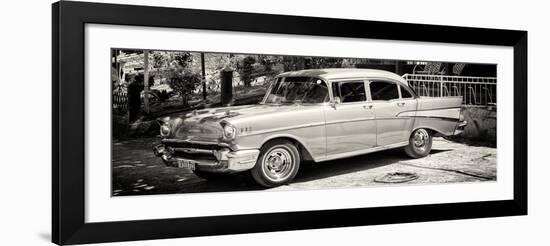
x=297 y=90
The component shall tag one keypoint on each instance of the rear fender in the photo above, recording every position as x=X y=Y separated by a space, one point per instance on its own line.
x=442 y=115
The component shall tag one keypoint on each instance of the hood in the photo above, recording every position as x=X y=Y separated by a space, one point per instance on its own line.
x=207 y=124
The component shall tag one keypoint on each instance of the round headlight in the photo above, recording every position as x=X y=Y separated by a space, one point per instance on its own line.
x=164 y=130
x=229 y=131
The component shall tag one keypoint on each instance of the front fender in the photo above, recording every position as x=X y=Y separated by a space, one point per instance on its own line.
x=309 y=140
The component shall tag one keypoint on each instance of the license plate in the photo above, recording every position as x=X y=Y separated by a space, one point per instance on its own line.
x=188 y=164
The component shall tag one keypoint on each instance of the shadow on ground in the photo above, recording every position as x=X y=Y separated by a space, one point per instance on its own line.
x=312 y=171
x=137 y=172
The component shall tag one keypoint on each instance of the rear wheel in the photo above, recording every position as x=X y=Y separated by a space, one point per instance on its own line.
x=277 y=164
x=420 y=144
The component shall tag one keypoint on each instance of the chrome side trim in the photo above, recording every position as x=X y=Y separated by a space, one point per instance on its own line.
x=362 y=152
x=306 y=125
x=421 y=110
x=453 y=113
x=351 y=120
x=436 y=118
x=282 y=129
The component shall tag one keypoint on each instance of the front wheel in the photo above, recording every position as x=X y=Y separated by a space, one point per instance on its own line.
x=277 y=164
x=420 y=144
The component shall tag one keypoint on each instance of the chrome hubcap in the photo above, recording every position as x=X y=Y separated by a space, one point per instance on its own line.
x=277 y=164
x=420 y=139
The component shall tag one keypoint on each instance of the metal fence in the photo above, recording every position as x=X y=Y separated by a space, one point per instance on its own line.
x=120 y=101
x=480 y=91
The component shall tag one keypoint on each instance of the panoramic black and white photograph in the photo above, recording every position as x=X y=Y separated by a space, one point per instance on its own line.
x=193 y=121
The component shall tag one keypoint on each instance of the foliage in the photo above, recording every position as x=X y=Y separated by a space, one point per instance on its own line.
x=182 y=70
x=184 y=82
x=158 y=96
x=176 y=69
x=268 y=62
x=183 y=59
x=159 y=60
x=293 y=63
x=323 y=62
x=246 y=69
x=215 y=62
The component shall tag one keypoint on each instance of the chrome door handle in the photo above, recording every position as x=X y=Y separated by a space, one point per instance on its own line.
x=400 y=104
x=367 y=106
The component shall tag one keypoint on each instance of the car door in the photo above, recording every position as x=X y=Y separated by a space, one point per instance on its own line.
x=350 y=124
x=394 y=113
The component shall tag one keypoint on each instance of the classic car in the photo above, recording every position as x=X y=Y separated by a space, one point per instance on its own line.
x=315 y=115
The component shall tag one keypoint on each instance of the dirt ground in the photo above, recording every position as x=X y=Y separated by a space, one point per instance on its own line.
x=136 y=171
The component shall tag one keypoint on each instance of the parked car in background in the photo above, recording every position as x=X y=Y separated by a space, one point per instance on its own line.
x=315 y=115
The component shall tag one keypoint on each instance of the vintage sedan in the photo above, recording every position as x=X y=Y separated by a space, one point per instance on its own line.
x=315 y=115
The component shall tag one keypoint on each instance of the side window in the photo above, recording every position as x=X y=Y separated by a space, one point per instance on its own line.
x=382 y=90
x=405 y=93
x=350 y=91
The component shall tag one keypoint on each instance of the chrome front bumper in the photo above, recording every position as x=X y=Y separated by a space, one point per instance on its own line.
x=212 y=160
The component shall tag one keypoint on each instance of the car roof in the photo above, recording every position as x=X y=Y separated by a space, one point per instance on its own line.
x=343 y=73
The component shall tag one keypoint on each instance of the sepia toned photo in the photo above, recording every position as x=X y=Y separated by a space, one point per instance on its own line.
x=191 y=122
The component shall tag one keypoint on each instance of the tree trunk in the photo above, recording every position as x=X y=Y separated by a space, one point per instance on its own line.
x=203 y=77
x=184 y=100
x=146 y=81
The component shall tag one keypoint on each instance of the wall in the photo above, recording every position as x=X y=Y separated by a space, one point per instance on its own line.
x=25 y=176
x=481 y=127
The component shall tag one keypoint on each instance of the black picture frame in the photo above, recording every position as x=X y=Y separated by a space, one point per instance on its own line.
x=68 y=121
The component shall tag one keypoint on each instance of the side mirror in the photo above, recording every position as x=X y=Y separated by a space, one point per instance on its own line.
x=335 y=101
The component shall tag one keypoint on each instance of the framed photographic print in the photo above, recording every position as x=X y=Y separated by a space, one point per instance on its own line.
x=177 y=122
